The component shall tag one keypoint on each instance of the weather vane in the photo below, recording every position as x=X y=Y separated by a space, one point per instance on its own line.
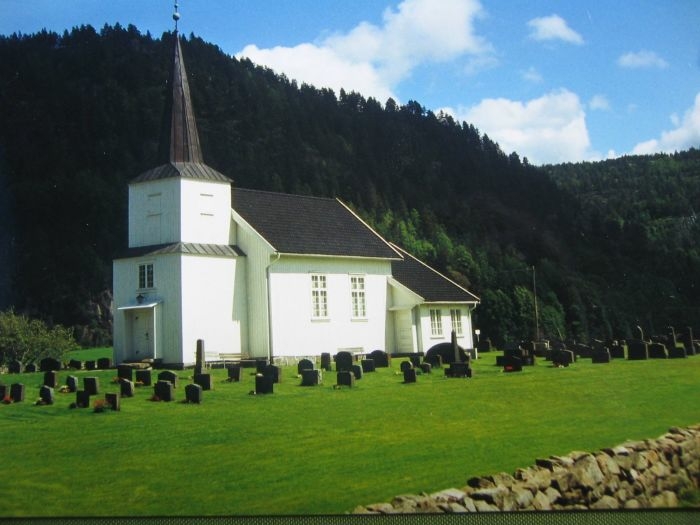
x=176 y=15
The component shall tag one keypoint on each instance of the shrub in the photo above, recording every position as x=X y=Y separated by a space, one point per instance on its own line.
x=26 y=340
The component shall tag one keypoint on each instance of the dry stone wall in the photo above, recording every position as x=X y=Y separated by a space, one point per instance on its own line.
x=634 y=475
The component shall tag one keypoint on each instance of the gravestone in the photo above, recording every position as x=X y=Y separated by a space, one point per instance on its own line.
x=427 y=368
x=170 y=377
x=126 y=388
x=104 y=363
x=304 y=364
x=199 y=357
x=72 y=383
x=125 y=372
x=164 y=390
x=687 y=339
x=434 y=360
x=563 y=358
x=343 y=361
x=193 y=393
x=617 y=350
x=90 y=365
x=458 y=370
x=601 y=356
x=263 y=384
x=484 y=345
x=48 y=364
x=326 y=361
x=273 y=372
x=144 y=377
x=75 y=364
x=677 y=352
x=14 y=367
x=234 y=372
x=82 y=399
x=357 y=371
x=46 y=395
x=203 y=380
x=381 y=358
x=4 y=392
x=345 y=378
x=51 y=379
x=513 y=364
x=260 y=366
x=409 y=375
x=657 y=351
x=637 y=350
x=310 y=377
x=31 y=368
x=415 y=360
x=91 y=385
x=405 y=365
x=17 y=392
x=367 y=365
x=113 y=400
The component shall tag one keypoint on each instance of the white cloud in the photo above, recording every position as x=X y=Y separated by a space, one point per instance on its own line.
x=599 y=102
x=642 y=59
x=684 y=136
x=553 y=27
x=373 y=59
x=549 y=129
x=532 y=75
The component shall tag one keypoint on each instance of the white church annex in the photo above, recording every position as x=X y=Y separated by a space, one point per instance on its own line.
x=263 y=274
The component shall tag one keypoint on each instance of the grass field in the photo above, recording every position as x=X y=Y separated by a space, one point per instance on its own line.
x=317 y=450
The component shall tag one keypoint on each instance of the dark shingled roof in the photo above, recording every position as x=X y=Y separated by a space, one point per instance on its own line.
x=187 y=248
x=187 y=170
x=428 y=283
x=296 y=224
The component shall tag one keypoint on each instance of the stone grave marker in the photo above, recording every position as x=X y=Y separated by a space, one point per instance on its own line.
x=601 y=356
x=512 y=364
x=4 y=391
x=406 y=365
x=14 y=367
x=199 y=357
x=260 y=366
x=484 y=345
x=204 y=381
x=426 y=368
x=563 y=358
x=31 y=368
x=72 y=383
x=345 y=378
x=51 y=379
x=90 y=365
x=688 y=343
x=617 y=350
x=357 y=371
x=193 y=393
x=273 y=372
x=264 y=384
x=380 y=357
x=367 y=365
x=48 y=364
x=234 y=373
x=126 y=388
x=415 y=360
x=82 y=399
x=310 y=377
x=170 y=377
x=459 y=370
x=75 y=364
x=91 y=385
x=164 y=390
x=658 y=351
x=144 y=377
x=434 y=360
x=637 y=350
x=125 y=372
x=343 y=361
x=104 y=363
x=677 y=352
x=46 y=395
x=326 y=361
x=304 y=364
x=17 y=392
x=113 y=400
x=409 y=375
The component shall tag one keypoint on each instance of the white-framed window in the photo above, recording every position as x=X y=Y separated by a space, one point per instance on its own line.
x=319 y=297
x=145 y=276
x=357 y=295
x=456 y=316
x=435 y=323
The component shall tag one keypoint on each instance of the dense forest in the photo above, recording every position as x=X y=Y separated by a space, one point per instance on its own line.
x=604 y=246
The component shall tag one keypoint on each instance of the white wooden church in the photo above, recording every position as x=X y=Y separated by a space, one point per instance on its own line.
x=263 y=274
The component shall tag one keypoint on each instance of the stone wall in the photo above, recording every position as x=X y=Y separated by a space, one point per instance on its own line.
x=634 y=475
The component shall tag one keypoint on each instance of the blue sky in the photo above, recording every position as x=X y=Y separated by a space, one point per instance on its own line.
x=555 y=81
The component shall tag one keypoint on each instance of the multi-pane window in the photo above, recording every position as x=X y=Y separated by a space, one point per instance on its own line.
x=357 y=291
x=456 y=321
x=319 y=296
x=435 y=323
x=145 y=276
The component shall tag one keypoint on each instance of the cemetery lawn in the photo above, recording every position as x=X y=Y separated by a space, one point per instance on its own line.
x=320 y=450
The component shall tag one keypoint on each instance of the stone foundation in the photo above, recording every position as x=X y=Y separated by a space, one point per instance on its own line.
x=634 y=475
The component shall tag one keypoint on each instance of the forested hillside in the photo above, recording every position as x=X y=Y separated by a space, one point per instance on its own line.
x=612 y=244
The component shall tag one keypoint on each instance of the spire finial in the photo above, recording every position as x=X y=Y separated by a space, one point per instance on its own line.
x=176 y=15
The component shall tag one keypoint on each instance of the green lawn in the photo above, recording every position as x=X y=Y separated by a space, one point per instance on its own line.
x=314 y=450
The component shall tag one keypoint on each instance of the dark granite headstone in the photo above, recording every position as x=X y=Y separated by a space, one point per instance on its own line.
x=409 y=375
x=563 y=357
x=75 y=364
x=125 y=372
x=677 y=352
x=234 y=372
x=14 y=367
x=458 y=370
x=104 y=363
x=343 y=361
x=435 y=360
x=199 y=357
x=637 y=350
x=82 y=399
x=310 y=377
x=263 y=384
x=46 y=395
x=367 y=365
x=91 y=385
x=17 y=392
x=512 y=364
x=345 y=378
x=203 y=380
x=326 y=361
x=687 y=339
x=427 y=368
x=170 y=377
x=164 y=390
x=260 y=366
x=144 y=377
x=381 y=358
x=49 y=363
x=405 y=365
x=31 y=368
x=113 y=400
x=72 y=383
x=51 y=379
x=193 y=393
x=415 y=360
x=4 y=392
x=357 y=371
x=657 y=351
x=126 y=388
x=90 y=365
x=617 y=350
x=601 y=356
x=273 y=372
x=304 y=364
x=484 y=345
